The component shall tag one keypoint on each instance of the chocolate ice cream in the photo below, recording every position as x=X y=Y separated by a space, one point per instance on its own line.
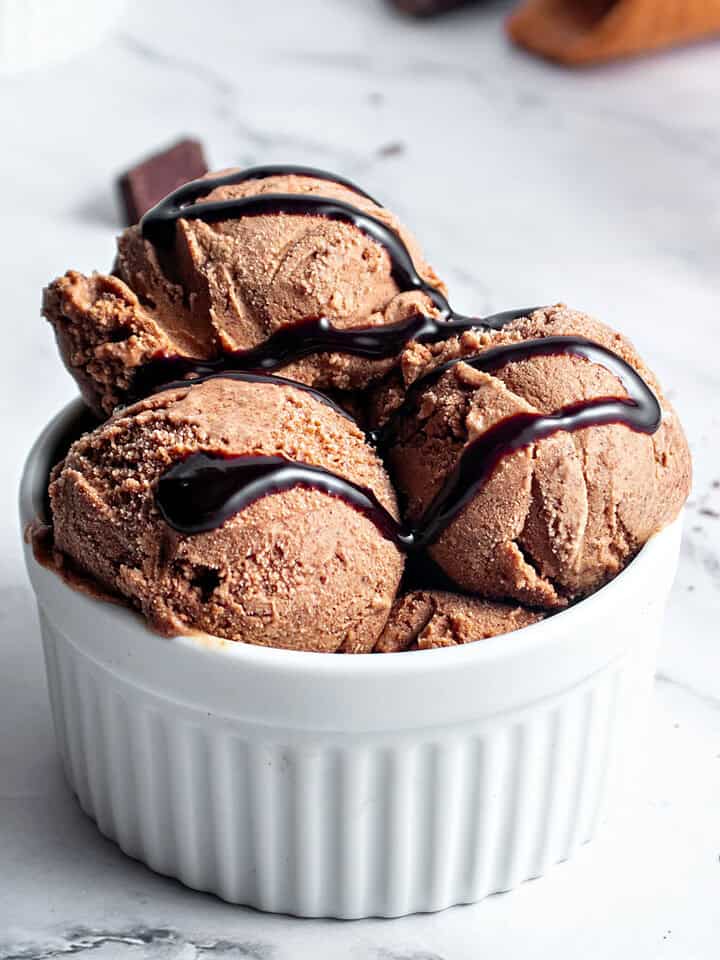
x=424 y=619
x=556 y=516
x=534 y=452
x=297 y=568
x=227 y=282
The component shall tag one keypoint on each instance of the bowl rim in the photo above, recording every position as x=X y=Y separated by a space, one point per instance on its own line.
x=553 y=629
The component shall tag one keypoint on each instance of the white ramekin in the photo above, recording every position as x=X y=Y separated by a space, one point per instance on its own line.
x=347 y=786
x=35 y=33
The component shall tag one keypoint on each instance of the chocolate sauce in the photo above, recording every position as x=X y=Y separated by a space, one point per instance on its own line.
x=201 y=492
x=158 y=224
x=643 y=401
x=640 y=411
x=292 y=343
x=170 y=207
x=311 y=335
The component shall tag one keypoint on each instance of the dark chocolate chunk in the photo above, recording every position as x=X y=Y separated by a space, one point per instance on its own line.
x=148 y=182
x=428 y=8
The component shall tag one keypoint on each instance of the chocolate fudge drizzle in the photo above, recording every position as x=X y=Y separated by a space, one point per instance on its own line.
x=308 y=337
x=312 y=335
x=639 y=410
x=171 y=207
x=202 y=491
x=158 y=226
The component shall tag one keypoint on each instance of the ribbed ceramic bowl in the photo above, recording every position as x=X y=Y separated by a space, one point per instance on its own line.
x=347 y=786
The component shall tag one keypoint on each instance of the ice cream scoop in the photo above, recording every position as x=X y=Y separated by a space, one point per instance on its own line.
x=544 y=454
x=423 y=619
x=229 y=261
x=299 y=567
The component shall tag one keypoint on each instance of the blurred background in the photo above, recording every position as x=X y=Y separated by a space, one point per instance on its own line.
x=527 y=182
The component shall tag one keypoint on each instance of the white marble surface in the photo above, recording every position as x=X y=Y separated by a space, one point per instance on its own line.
x=526 y=184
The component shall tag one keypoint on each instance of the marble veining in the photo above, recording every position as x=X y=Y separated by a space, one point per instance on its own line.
x=215 y=82
x=707 y=699
x=223 y=104
x=156 y=942
x=165 y=944
x=525 y=184
x=383 y=954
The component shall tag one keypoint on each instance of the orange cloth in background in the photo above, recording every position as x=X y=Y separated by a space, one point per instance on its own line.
x=578 y=32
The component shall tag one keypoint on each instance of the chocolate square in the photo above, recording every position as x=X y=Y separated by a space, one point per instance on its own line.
x=428 y=8
x=149 y=181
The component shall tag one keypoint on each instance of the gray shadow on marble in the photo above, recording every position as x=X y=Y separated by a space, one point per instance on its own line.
x=101 y=210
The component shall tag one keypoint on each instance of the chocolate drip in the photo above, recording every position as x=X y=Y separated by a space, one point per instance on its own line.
x=643 y=400
x=201 y=492
x=309 y=337
x=172 y=206
x=640 y=411
x=157 y=227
